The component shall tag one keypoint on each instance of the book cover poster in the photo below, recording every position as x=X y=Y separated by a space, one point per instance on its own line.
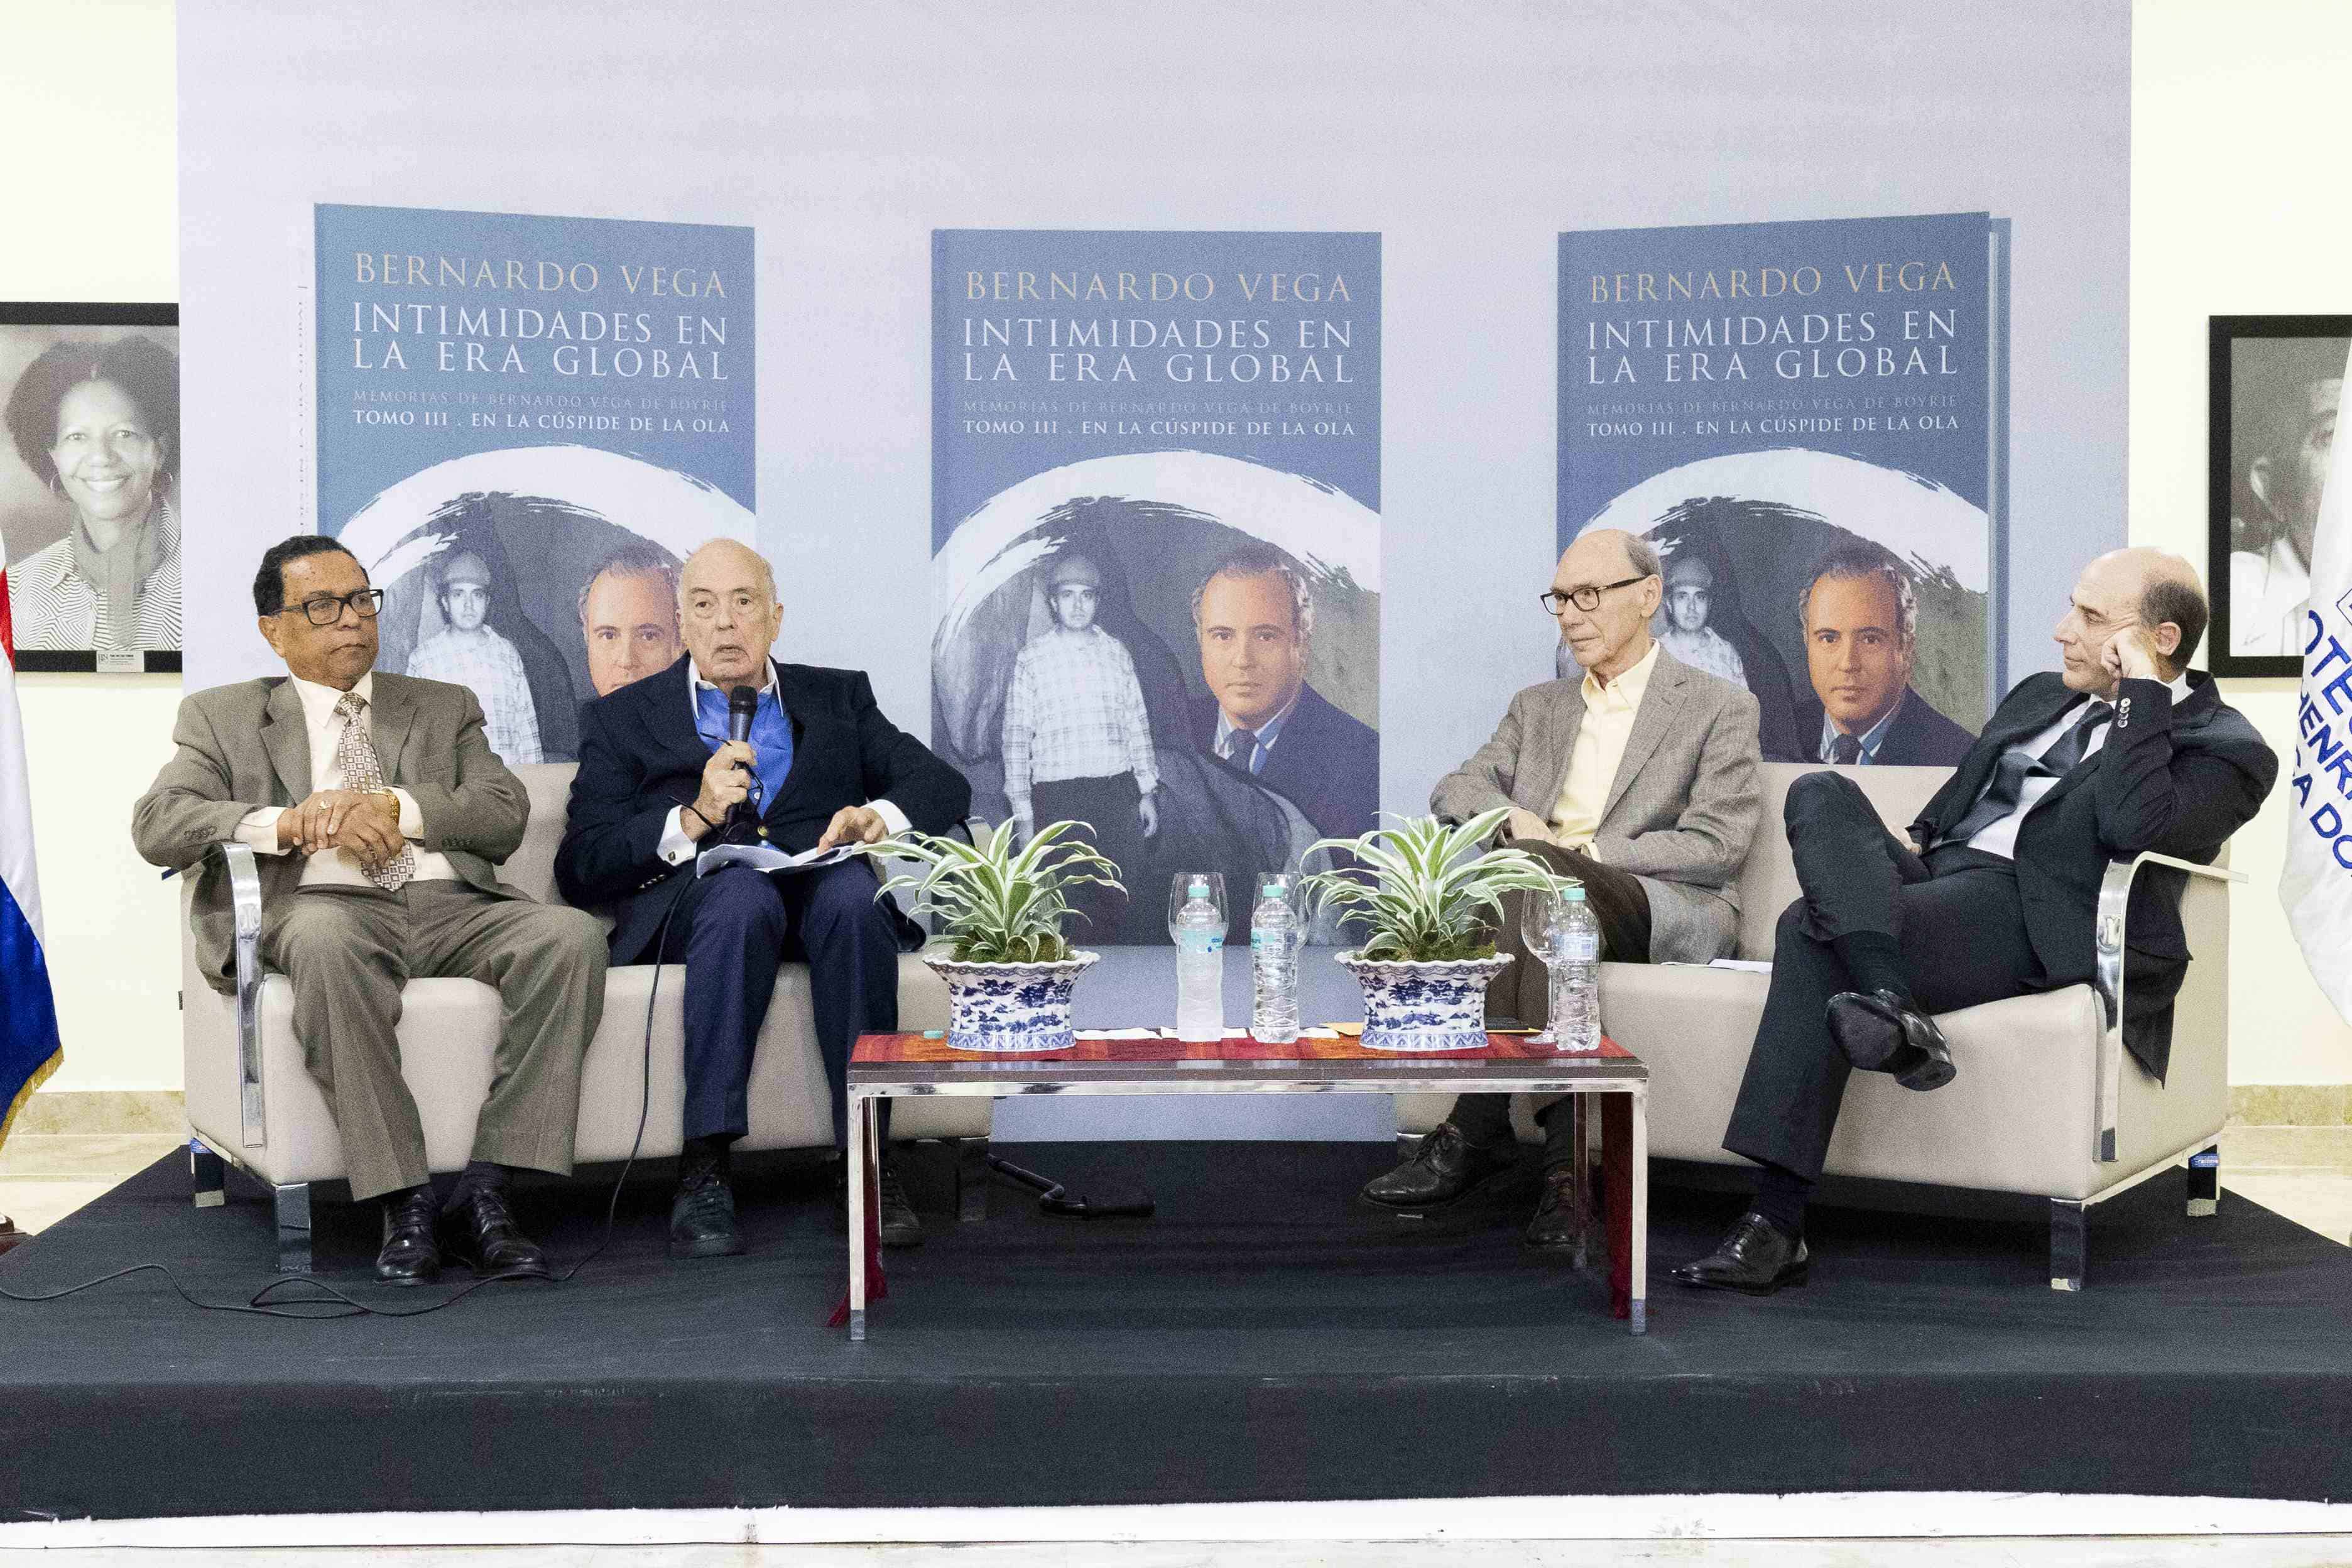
x=1808 y=421
x=1156 y=472
x=524 y=424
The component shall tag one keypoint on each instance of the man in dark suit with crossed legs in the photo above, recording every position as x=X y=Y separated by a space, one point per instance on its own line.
x=2124 y=750
x=658 y=776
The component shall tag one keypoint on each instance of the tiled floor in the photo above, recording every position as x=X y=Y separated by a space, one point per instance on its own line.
x=2303 y=1173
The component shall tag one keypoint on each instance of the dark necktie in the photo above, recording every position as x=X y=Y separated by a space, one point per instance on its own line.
x=2017 y=765
x=1241 y=746
x=1845 y=748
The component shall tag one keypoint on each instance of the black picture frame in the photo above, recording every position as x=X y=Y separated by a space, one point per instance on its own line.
x=56 y=313
x=2227 y=471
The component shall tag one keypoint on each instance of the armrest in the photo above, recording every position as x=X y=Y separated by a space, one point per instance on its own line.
x=2114 y=898
x=244 y=904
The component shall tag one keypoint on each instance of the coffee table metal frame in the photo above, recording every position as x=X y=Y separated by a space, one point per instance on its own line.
x=1265 y=1070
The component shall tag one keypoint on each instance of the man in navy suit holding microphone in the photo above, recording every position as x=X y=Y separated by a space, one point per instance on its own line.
x=659 y=781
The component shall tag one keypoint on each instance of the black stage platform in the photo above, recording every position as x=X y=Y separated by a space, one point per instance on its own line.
x=1263 y=1338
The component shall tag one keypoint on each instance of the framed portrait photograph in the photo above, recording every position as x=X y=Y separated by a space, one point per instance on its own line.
x=2277 y=382
x=90 y=485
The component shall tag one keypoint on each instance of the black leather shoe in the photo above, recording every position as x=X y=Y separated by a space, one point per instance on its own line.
x=1554 y=1227
x=702 y=1215
x=1445 y=1169
x=409 y=1255
x=1758 y=1258
x=480 y=1232
x=1878 y=1033
x=899 y=1225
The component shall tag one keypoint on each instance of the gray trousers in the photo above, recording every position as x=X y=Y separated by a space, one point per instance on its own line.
x=347 y=951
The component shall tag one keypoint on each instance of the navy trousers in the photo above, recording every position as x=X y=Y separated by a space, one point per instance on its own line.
x=733 y=929
x=1956 y=915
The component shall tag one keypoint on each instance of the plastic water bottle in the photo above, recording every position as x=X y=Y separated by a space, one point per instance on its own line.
x=1274 y=966
x=1576 y=978
x=1200 y=966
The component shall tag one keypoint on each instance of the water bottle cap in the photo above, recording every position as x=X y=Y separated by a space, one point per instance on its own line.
x=1273 y=889
x=1198 y=887
x=1574 y=895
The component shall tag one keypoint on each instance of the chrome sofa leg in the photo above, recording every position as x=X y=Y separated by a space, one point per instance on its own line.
x=972 y=1180
x=2204 y=1181
x=208 y=1175
x=293 y=1205
x=2069 y=1243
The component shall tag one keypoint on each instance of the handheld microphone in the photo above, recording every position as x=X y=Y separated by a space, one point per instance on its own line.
x=743 y=703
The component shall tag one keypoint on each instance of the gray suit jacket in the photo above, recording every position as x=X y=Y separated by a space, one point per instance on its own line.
x=1680 y=812
x=242 y=747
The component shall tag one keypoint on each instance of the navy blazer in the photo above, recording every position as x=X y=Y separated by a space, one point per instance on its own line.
x=2176 y=780
x=640 y=755
x=1324 y=761
x=1919 y=736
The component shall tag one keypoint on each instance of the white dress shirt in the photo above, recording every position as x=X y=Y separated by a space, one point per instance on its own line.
x=325 y=728
x=676 y=847
x=2001 y=838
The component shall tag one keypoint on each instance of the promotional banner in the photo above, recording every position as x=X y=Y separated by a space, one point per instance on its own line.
x=1156 y=535
x=524 y=424
x=1809 y=420
x=2316 y=886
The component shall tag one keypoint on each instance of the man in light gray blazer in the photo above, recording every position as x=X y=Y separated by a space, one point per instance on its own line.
x=1640 y=780
x=376 y=810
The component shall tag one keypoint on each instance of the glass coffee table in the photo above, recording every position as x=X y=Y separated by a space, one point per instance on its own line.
x=910 y=1064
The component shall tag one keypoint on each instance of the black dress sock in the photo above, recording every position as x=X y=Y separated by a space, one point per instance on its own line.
x=1558 y=1121
x=1875 y=961
x=710 y=1152
x=1485 y=1120
x=480 y=1173
x=1781 y=1196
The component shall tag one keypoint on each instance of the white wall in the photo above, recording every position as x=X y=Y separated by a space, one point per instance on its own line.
x=2234 y=209
x=2238 y=208
x=92 y=193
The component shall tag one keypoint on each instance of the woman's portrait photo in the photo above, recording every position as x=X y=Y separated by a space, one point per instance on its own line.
x=88 y=506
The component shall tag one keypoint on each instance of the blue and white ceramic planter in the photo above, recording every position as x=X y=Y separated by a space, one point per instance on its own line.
x=1436 y=1006
x=1010 y=1006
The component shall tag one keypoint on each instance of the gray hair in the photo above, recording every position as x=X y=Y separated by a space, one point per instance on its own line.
x=636 y=560
x=1860 y=563
x=1643 y=556
x=1264 y=561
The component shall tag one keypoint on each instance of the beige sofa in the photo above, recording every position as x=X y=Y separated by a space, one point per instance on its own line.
x=2047 y=1102
x=251 y=1104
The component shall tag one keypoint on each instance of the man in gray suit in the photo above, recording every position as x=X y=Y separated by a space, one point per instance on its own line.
x=378 y=810
x=1639 y=780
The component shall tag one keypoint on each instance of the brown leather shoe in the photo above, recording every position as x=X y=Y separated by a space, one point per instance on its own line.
x=1554 y=1227
x=1445 y=1169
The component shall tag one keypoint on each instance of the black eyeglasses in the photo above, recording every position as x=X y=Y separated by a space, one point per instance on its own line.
x=325 y=610
x=1587 y=598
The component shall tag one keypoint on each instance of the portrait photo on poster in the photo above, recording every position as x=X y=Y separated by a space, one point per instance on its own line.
x=89 y=523
x=2277 y=382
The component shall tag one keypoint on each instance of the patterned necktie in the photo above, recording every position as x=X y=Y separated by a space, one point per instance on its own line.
x=2017 y=765
x=1845 y=748
x=363 y=771
x=1241 y=746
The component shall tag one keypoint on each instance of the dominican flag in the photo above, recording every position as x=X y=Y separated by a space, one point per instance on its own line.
x=29 y=1050
x=2316 y=886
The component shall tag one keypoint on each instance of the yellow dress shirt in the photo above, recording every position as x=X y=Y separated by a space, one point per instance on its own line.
x=1599 y=746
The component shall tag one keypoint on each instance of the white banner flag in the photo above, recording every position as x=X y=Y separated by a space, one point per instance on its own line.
x=2316 y=887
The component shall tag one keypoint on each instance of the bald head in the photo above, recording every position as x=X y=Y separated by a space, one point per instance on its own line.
x=728 y=612
x=1618 y=572
x=2151 y=593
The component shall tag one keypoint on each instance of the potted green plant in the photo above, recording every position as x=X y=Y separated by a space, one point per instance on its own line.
x=999 y=910
x=1430 y=896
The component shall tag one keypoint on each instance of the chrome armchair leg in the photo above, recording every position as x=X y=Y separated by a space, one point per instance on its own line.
x=2204 y=1181
x=2069 y=1243
x=293 y=1205
x=972 y=1180
x=208 y=1175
